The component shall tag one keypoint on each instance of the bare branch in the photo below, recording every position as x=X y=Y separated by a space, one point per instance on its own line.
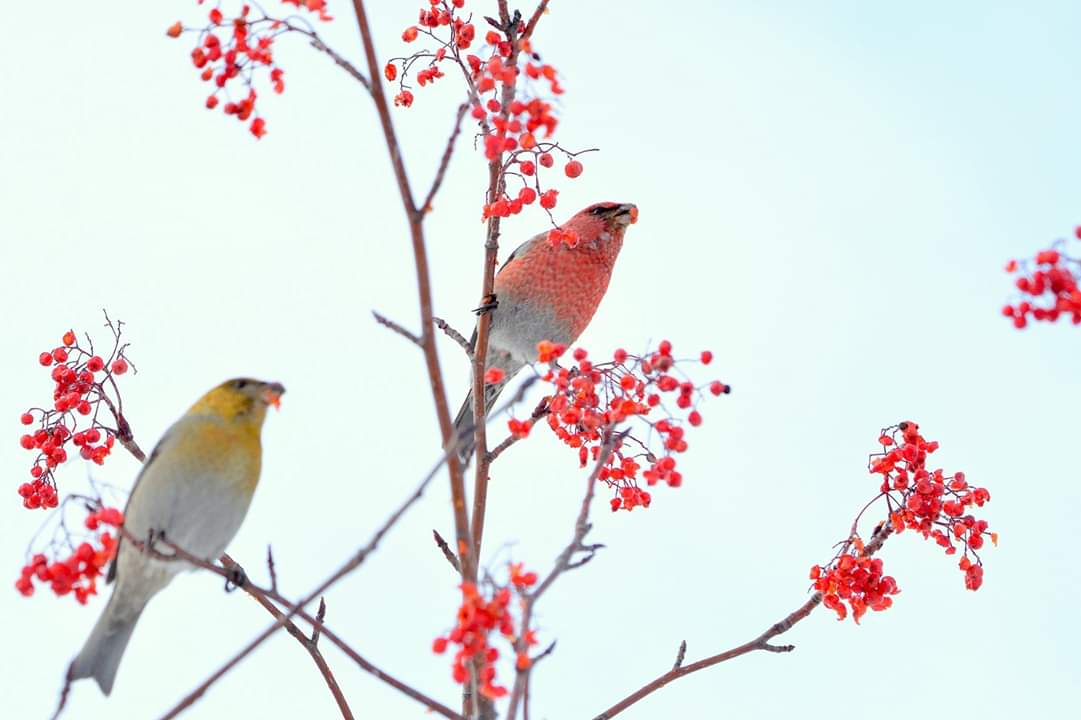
x=444 y=162
x=320 y=615
x=563 y=563
x=294 y=609
x=540 y=411
x=424 y=292
x=447 y=552
x=759 y=643
x=341 y=62
x=680 y=655
x=454 y=335
x=388 y=323
x=532 y=24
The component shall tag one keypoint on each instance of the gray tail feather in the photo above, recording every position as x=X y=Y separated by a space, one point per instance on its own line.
x=464 y=423
x=100 y=656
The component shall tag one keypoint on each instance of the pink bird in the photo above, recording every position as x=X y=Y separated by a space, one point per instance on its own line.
x=548 y=291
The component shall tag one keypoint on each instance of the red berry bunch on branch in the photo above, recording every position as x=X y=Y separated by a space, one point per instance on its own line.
x=928 y=501
x=1049 y=284
x=479 y=615
x=510 y=96
x=84 y=381
x=857 y=579
x=78 y=572
x=588 y=399
x=236 y=50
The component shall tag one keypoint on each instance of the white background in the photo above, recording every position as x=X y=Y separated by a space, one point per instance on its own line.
x=828 y=193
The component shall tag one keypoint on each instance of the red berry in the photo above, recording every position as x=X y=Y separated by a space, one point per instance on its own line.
x=390 y=72
x=410 y=34
x=707 y=357
x=573 y=169
x=27 y=442
x=546 y=160
x=69 y=338
x=45 y=359
x=695 y=418
x=119 y=366
x=26 y=418
x=527 y=167
x=95 y=364
x=548 y=198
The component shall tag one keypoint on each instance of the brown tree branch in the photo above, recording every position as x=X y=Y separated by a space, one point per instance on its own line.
x=424 y=291
x=532 y=24
x=454 y=335
x=496 y=187
x=318 y=44
x=447 y=552
x=564 y=562
x=444 y=162
x=388 y=323
x=235 y=575
x=309 y=644
x=540 y=411
x=296 y=608
x=759 y=643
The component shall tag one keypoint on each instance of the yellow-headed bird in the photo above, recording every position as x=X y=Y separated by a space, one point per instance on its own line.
x=194 y=490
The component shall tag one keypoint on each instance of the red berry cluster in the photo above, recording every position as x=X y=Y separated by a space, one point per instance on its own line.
x=631 y=387
x=80 y=378
x=854 y=578
x=239 y=48
x=929 y=501
x=1051 y=282
x=478 y=616
x=76 y=574
x=510 y=94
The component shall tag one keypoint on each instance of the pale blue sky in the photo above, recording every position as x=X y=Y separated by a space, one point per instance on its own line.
x=828 y=192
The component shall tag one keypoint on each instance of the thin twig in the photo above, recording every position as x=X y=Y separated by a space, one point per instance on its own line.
x=444 y=162
x=318 y=44
x=388 y=323
x=454 y=335
x=270 y=569
x=320 y=615
x=532 y=24
x=447 y=552
x=540 y=411
x=680 y=655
